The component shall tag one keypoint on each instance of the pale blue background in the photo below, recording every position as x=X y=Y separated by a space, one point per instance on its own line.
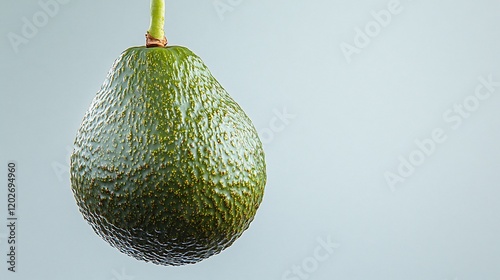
x=325 y=166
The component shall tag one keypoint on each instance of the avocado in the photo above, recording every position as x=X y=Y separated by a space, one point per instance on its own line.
x=166 y=166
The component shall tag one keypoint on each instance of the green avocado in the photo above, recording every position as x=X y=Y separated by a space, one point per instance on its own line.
x=166 y=166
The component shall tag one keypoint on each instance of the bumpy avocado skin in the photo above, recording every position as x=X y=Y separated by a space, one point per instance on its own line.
x=166 y=166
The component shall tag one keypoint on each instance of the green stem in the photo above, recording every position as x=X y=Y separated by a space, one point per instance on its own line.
x=157 y=19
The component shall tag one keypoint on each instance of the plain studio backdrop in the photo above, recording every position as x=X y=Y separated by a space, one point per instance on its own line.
x=379 y=119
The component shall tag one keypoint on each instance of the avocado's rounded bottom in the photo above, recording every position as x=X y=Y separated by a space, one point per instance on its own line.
x=147 y=247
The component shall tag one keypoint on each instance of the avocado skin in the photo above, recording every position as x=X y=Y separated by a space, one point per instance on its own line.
x=166 y=167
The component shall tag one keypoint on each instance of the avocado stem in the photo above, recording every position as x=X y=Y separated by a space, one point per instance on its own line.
x=156 y=35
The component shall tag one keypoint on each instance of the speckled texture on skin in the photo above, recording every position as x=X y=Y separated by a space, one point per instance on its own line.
x=166 y=166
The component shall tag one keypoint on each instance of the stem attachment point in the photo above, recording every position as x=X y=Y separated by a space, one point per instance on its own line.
x=152 y=42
